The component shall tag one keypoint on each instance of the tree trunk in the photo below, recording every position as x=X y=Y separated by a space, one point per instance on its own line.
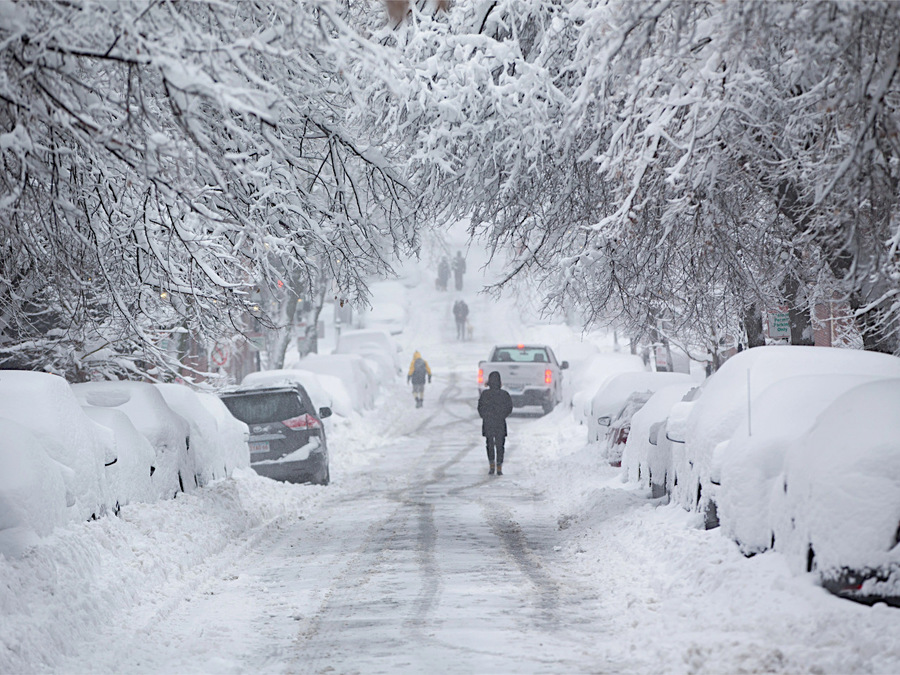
x=801 y=326
x=753 y=326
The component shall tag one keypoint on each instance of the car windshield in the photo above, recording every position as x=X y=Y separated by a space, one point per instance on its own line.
x=257 y=408
x=524 y=355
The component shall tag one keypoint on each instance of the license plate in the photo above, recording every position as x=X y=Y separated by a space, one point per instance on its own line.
x=257 y=447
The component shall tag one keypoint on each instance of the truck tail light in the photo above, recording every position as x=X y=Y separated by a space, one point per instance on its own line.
x=548 y=376
x=481 y=376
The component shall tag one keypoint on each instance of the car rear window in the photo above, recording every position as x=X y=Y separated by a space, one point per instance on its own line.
x=257 y=408
x=524 y=355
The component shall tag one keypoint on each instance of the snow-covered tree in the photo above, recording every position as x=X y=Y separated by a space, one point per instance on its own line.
x=158 y=155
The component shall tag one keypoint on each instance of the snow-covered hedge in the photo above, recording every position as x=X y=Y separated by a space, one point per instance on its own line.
x=73 y=453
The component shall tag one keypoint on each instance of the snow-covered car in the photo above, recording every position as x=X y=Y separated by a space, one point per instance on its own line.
x=588 y=378
x=129 y=477
x=841 y=490
x=647 y=457
x=354 y=371
x=207 y=447
x=32 y=490
x=287 y=438
x=530 y=373
x=703 y=427
x=233 y=434
x=610 y=399
x=46 y=406
x=376 y=346
x=166 y=430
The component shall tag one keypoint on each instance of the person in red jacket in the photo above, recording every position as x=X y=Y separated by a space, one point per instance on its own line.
x=494 y=406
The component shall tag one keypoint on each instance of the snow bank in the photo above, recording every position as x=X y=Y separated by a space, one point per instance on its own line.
x=67 y=587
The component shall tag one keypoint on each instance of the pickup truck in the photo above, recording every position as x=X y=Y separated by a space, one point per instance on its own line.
x=530 y=373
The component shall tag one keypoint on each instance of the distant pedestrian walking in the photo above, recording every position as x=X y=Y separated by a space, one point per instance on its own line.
x=461 y=314
x=419 y=371
x=443 y=274
x=494 y=406
x=459 y=268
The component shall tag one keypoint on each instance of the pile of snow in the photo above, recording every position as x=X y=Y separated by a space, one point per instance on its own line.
x=79 y=452
x=325 y=391
x=45 y=406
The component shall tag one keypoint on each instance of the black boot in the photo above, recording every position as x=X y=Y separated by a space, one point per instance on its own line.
x=491 y=470
x=499 y=469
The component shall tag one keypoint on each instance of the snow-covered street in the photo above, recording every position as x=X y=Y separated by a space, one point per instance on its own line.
x=414 y=560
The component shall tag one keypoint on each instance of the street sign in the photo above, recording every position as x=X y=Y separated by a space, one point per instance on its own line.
x=779 y=323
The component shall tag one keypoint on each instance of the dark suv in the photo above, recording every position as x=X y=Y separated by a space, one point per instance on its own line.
x=287 y=439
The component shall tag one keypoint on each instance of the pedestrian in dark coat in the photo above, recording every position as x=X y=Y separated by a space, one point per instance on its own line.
x=494 y=406
x=459 y=268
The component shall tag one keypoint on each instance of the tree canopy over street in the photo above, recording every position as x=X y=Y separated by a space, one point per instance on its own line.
x=674 y=166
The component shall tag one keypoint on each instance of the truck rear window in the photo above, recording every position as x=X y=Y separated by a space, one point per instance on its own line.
x=524 y=355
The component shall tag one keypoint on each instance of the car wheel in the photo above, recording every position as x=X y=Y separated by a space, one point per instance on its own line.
x=548 y=407
x=327 y=478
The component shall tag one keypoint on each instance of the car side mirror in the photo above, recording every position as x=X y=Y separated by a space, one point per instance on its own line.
x=324 y=412
x=604 y=421
x=563 y=365
x=110 y=458
x=654 y=433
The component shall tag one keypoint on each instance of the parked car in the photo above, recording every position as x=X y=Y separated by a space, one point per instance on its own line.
x=32 y=490
x=647 y=456
x=287 y=439
x=376 y=346
x=355 y=372
x=530 y=373
x=841 y=496
x=173 y=467
x=610 y=399
x=45 y=405
x=705 y=425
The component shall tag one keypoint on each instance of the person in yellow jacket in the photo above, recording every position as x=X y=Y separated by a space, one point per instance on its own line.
x=419 y=371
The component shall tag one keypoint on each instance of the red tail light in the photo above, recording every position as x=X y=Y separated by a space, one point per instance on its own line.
x=481 y=376
x=548 y=376
x=302 y=422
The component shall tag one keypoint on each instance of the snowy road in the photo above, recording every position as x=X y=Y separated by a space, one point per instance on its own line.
x=415 y=560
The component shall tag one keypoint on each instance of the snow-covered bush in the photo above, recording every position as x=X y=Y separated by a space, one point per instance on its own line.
x=647 y=458
x=45 y=405
x=166 y=430
x=705 y=424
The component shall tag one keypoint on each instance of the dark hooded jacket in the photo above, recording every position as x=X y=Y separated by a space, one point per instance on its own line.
x=494 y=406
